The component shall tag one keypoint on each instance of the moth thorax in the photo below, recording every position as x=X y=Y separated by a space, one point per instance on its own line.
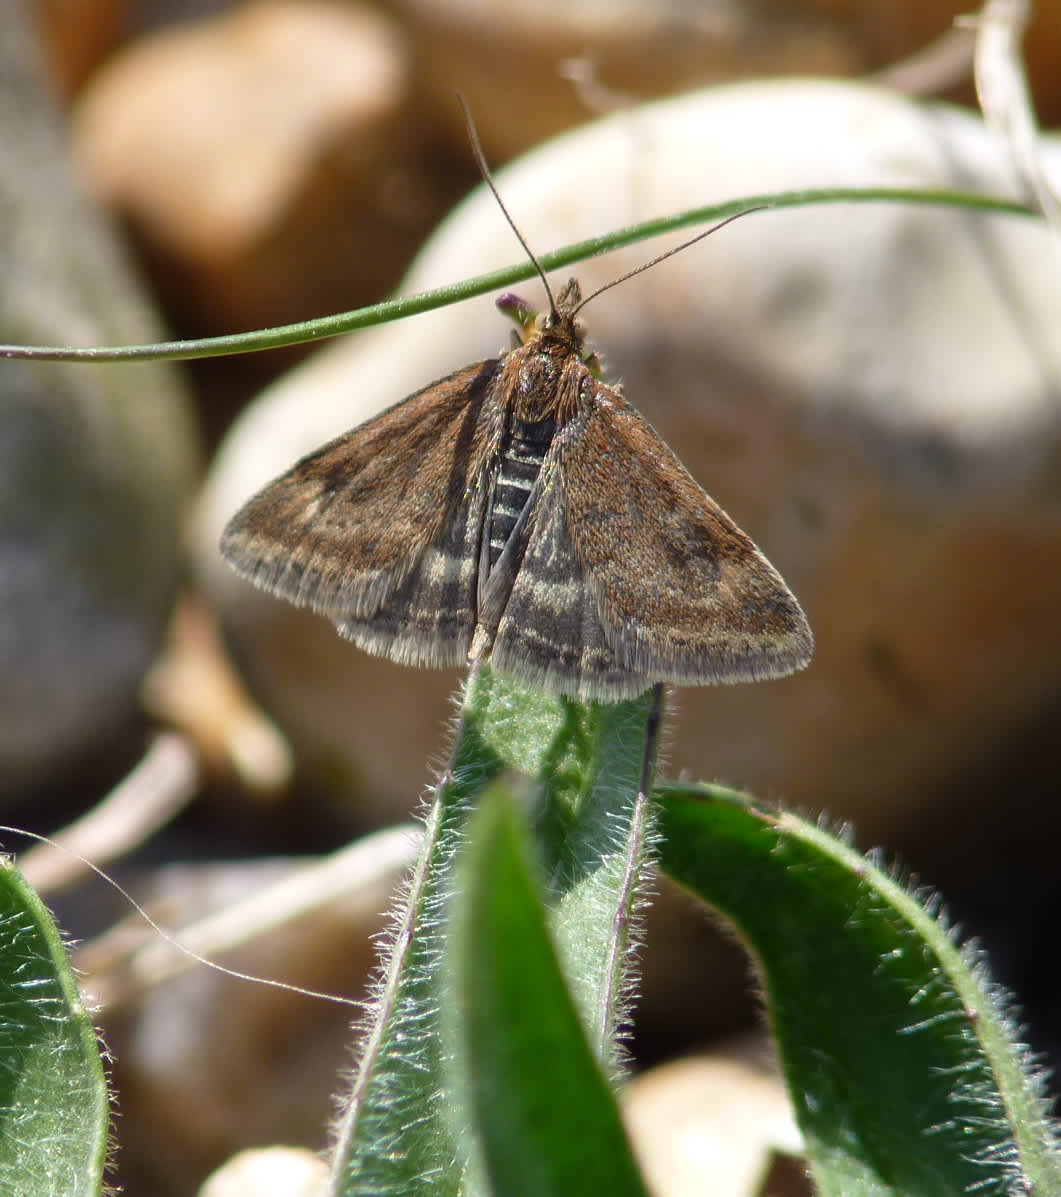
x=536 y=384
x=522 y=453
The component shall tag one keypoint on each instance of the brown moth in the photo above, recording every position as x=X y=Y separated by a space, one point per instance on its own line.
x=521 y=512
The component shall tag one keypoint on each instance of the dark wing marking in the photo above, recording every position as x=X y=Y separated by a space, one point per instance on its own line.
x=428 y=620
x=372 y=530
x=683 y=594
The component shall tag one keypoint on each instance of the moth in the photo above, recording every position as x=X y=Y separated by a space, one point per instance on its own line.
x=521 y=512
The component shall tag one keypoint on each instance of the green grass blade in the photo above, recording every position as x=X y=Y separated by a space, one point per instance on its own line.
x=545 y=1119
x=484 y=284
x=53 y=1093
x=899 y=1056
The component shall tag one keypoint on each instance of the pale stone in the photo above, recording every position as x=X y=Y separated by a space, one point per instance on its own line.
x=269 y=1172
x=871 y=390
x=711 y=1123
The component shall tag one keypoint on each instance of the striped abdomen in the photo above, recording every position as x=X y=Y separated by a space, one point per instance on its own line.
x=522 y=455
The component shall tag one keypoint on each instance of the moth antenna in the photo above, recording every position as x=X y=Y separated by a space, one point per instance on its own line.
x=488 y=179
x=668 y=254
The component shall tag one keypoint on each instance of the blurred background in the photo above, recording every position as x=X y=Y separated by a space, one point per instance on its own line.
x=872 y=392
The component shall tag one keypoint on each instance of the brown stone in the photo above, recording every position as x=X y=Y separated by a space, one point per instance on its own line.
x=519 y=66
x=261 y=159
x=75 y=41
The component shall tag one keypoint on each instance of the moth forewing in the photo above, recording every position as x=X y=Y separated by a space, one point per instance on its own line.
x=430 y=618
x=683 y=594
x=344 y=530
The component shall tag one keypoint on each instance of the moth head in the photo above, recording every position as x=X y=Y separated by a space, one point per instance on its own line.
x=529 y=319
x=559 y=326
